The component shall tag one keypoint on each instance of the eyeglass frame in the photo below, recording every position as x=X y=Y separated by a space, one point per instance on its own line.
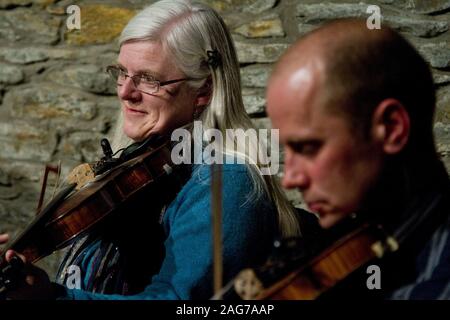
x=137 y=78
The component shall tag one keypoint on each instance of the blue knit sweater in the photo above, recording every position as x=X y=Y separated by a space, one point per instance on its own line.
x=249 y=226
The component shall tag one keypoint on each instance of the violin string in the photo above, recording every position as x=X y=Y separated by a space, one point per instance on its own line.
x=118 y=151
x=58 y=177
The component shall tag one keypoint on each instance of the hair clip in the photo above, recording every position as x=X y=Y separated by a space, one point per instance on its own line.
x=214 y=58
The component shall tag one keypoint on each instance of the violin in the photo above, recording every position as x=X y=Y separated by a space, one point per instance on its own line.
x=303 y=277
x=144 y=171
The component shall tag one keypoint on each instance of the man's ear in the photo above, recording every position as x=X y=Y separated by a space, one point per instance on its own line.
x=204 y=94
x=391 y=125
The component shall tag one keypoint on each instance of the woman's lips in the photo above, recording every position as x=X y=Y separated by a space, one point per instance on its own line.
x=134 y=111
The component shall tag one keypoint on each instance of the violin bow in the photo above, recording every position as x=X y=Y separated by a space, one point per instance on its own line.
x=48 y=169
x=216 y=211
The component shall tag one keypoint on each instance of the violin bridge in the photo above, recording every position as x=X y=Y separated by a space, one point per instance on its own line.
x=247 y=285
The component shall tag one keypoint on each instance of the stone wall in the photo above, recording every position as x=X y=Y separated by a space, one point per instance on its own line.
x=56 y=102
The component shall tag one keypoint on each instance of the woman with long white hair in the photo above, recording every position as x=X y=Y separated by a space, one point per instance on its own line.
x=177 y=64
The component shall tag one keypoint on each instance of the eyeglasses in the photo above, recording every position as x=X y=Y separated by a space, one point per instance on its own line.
x=142 y=82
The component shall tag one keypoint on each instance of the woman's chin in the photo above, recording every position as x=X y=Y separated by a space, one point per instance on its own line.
x=138 y=135
x=133 y=134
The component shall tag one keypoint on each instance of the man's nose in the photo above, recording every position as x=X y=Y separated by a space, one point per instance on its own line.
x=295 y=178
x=295 y=174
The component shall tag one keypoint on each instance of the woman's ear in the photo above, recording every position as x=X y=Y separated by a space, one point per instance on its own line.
x=204 y=94
x=391 y=126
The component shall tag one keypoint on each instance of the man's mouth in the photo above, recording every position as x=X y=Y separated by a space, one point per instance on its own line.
x=316 y=206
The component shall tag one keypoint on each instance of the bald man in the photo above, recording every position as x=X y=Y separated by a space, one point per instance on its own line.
x=355 y=112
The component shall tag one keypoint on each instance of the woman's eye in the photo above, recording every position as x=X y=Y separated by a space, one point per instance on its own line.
x=146 y=78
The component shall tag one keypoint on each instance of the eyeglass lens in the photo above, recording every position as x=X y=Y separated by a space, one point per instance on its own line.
x=139 y=81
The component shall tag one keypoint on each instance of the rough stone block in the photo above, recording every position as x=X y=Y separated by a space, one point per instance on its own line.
x=259 y=6
x=90 y=78
x=10 y=74
x=46 y=102
x=28 y=25
x=437 y=54
x=255 y=75
x=262 y=28
x=13 y=3
x=24 y=55
x=424 y=6
x=254 y=101
x=443 y=105
x=82 y=146
x=260 y=53
x=415 y=24
x=99 y=24
x=20 y=140
x=249 y=6
x=441 y=78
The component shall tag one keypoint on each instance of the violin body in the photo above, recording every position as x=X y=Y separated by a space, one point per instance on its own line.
x=74 y=213
x=324 y=271
x=310 y=278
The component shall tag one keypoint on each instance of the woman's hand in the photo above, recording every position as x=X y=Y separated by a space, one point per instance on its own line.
x=3 y=239
x=34 y=282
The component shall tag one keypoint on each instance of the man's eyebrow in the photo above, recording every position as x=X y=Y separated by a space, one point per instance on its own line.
x=302 y=141
x=297 y=139
x=143 y=71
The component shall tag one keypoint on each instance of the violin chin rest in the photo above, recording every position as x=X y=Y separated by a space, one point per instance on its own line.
x=81 y=175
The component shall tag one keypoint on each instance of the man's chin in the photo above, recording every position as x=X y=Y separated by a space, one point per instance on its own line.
x=327 y=220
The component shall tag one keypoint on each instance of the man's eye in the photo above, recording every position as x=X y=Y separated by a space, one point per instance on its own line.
x=310 y=149
x=306 y=149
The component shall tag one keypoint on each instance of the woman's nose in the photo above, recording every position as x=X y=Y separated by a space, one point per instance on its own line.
x=127 y=90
